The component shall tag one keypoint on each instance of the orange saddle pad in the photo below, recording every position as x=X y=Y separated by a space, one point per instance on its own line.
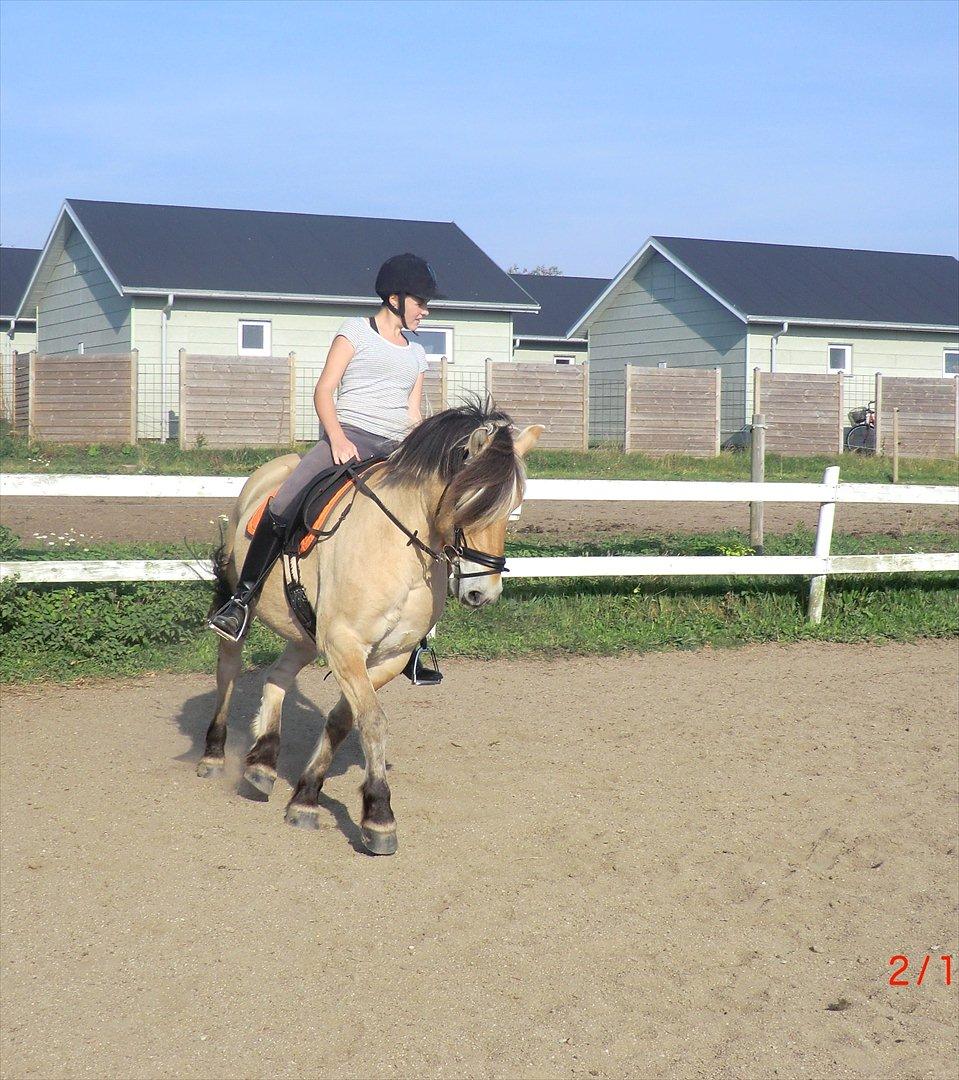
x=309 y=541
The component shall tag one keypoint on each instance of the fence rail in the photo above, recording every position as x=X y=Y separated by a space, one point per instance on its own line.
x=818 y=566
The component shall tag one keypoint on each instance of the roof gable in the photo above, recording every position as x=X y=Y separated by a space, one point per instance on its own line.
x=198 y=250
x=562 y=299
x=16 y=267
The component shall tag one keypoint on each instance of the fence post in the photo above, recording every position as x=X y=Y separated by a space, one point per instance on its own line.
x=895 y=445
x=585 y=377
x=827 y=515
x=839 y=394
x=489 y=379
x=292 y=397
x=719 y=410
x=878 y=401
x=444 y=384
x=134 y=381
x=629 y=407
x=757 y=474
x=31 y=377
x=956 y=417
x=181 y=356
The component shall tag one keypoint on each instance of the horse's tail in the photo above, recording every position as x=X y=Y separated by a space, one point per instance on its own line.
x=487 y=487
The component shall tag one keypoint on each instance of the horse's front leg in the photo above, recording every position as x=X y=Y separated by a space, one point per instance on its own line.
x=261 y=760
x=358 y=704
x=228 y=662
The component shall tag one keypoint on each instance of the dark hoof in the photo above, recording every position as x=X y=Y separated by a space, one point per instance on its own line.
x=379 y=843
x=302 y=818
x=261 y=778
x=208 y=768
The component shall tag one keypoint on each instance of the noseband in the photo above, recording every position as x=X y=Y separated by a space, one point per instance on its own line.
x=495 y=564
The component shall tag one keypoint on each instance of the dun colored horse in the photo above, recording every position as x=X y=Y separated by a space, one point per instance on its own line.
x=451 y=485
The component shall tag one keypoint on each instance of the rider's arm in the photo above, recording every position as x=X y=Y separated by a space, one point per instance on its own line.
x=337 y=359
x=415 y=401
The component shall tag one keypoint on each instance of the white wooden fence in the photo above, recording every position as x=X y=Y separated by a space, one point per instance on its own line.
x=818 y=566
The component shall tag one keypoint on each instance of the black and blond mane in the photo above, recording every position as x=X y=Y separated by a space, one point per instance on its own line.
x=481 y=486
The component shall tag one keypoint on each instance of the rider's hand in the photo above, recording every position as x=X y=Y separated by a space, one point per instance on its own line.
x=343 y=451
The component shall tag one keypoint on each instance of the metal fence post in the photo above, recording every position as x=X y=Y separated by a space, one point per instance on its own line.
x=827 y=516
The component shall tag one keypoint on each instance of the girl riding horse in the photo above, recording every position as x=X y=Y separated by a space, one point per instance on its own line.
x=379 y=375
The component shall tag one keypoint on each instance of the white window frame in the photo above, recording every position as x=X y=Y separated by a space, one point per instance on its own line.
x=847 y=367
x=267 y=349
x=448 y=331
x=564 y=359
x=949 y=374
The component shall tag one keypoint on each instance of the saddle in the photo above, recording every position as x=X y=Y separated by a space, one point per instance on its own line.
x=305 y=527
x=315 y=506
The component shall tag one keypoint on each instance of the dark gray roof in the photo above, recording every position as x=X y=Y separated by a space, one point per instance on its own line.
x=191 y=248
x=16 y=266
x=840 y=284
x=562 y=301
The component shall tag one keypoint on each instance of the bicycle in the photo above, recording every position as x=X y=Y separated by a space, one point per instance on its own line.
x=861 y=437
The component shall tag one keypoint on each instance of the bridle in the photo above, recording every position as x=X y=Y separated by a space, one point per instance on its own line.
x=450 y=553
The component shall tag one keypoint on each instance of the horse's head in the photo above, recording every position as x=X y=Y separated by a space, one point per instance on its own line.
x=478 y=503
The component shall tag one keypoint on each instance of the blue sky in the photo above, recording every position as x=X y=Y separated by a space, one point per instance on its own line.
x=558 y=133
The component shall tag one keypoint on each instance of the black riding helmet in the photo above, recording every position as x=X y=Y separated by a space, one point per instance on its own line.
x=403 y=276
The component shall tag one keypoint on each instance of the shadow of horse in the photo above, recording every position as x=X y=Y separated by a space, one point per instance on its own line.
x=303 y=723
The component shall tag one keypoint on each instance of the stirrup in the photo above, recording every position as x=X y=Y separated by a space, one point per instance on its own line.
x=226 y=614
x=418 y=673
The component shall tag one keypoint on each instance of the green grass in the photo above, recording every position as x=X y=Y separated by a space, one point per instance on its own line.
x=16 y=455
x=63 y=633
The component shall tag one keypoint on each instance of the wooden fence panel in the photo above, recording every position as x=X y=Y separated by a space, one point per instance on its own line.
x=234 y=401
x=803 y=410
x=673 y=410
x=21 y=392
x=435 y=387
x=928 y=416
x=554 y=395
x=83 y=398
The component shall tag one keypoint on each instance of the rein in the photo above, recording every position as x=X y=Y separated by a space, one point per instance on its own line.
x=495 y=564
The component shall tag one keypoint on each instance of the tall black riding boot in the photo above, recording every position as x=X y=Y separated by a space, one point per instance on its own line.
x=232 y=619
x=417 y=672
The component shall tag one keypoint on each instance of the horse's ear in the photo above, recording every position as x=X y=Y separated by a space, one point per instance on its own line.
x=480 y=437
x=527 y=439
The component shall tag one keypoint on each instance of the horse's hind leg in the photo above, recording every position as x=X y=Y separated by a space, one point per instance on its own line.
x=228 y=663
x=260 y=768
x=303 y=808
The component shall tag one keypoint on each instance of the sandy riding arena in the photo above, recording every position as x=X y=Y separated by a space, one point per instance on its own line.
x=673 y=865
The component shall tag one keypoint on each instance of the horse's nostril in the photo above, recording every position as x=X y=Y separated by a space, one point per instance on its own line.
x=474 y=597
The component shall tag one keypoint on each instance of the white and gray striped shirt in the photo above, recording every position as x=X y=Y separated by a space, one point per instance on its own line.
x=375 y=389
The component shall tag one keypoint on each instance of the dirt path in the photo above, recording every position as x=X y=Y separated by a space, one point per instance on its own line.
x=665 y=866
x=192 y=519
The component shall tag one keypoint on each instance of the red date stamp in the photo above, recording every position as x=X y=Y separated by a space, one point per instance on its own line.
x=931 y=969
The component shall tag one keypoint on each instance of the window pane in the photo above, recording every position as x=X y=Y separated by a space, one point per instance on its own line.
x=837 y=359
x=433 y=341
x=252 y=335
x=952 y=363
